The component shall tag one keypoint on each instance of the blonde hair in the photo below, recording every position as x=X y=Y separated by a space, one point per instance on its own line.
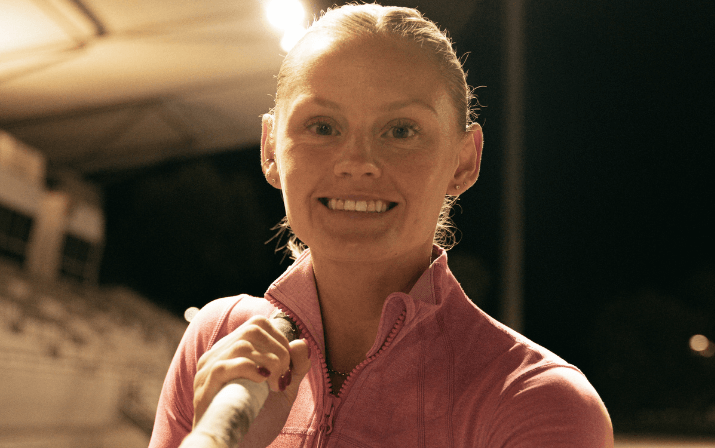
x=404 y=24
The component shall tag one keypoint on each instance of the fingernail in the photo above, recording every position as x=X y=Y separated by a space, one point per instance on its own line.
x=310 y=350
x=264 y=372
x=284 y=380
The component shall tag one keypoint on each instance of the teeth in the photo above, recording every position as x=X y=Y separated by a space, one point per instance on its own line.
x=357 y=206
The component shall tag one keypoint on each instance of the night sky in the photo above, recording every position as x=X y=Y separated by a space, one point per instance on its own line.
x=619 y=271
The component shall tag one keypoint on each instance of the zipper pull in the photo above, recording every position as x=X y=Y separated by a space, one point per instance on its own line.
x=333 y=403
x=326 y=422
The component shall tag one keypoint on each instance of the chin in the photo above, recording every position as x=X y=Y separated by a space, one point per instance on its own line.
x=359 y=250
x=347 y=247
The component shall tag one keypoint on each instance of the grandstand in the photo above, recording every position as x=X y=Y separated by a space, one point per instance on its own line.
x=80 y=365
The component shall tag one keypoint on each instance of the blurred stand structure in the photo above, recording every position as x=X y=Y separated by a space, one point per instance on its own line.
x=657 y=364
x=663 y=442
x=80 y=365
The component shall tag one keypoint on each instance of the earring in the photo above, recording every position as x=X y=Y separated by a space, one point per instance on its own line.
x=457 y=187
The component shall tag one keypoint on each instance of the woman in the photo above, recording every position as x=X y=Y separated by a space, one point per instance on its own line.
x=370 y=133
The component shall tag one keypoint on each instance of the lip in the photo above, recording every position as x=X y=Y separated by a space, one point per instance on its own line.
x=354 y=197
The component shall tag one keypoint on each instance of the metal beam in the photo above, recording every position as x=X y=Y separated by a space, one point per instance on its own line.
x=513 y=255
x=99 y=28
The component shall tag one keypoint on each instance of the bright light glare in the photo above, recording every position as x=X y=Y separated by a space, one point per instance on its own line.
x=190 y=313
x=699 y=343
x=702 y=346
x=23 y=25
x=291 y=37
x=285 y=14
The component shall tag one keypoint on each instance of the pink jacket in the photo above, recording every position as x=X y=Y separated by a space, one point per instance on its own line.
x=441 y=373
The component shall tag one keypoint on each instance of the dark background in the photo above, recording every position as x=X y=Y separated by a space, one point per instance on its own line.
x=619 y=267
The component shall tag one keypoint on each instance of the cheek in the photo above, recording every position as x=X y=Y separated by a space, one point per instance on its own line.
x=296 y=187
x=291 y=190
x=426 y=187
x=427 y=175
x=429 y=180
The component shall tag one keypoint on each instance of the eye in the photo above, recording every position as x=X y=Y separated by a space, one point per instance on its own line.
x=402 y=130
x=322 y=127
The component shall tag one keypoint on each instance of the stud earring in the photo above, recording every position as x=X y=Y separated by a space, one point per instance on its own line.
x=457 y=187
x=271 y=158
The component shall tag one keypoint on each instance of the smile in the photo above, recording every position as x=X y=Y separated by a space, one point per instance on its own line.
x=357 y=206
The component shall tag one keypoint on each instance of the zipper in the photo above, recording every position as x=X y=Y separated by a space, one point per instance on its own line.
x=388 y=341
x=302 y=329
x=331 y=403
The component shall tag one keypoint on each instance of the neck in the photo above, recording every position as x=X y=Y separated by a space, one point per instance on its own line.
x=351 y=297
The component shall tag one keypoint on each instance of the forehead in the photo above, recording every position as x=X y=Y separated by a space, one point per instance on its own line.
x=369 y=72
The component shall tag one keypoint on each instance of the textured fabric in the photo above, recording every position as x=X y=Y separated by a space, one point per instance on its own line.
x=440 y=374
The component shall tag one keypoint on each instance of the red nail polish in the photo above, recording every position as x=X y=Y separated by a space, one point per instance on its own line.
x=264 y=372
x=284 y=380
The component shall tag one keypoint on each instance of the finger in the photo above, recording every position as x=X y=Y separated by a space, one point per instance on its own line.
x=274 y=361
x=221 y=373
x=263 y=348
x=300 y=353
x=256 y=343
x=268 y=326
x=249 y=327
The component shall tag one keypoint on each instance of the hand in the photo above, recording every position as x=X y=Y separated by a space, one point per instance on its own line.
x=257 y=351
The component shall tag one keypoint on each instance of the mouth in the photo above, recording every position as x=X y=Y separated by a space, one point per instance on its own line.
x=351 y=205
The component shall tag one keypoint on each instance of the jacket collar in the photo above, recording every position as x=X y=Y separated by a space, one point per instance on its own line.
x=295 y=289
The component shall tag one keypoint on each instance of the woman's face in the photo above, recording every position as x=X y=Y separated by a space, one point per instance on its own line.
x=366 y=146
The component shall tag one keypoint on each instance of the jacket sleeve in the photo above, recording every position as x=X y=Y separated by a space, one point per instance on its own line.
x=555 y=407
x=175 y=413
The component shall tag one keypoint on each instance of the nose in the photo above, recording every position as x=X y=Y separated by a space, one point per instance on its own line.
x=357 y=159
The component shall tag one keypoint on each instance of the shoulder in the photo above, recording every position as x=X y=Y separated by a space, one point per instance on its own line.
x=215 y=320
x=221 y=316
x=546 y=401
x=550 y=404
x=562 y=387
x=522 y=394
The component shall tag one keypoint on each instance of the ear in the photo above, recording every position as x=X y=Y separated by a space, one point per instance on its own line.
x=470 y=160
x=268 y=152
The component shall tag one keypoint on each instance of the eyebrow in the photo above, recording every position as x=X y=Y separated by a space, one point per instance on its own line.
x=325 y=103
x=390 y=107
x=411 y=102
